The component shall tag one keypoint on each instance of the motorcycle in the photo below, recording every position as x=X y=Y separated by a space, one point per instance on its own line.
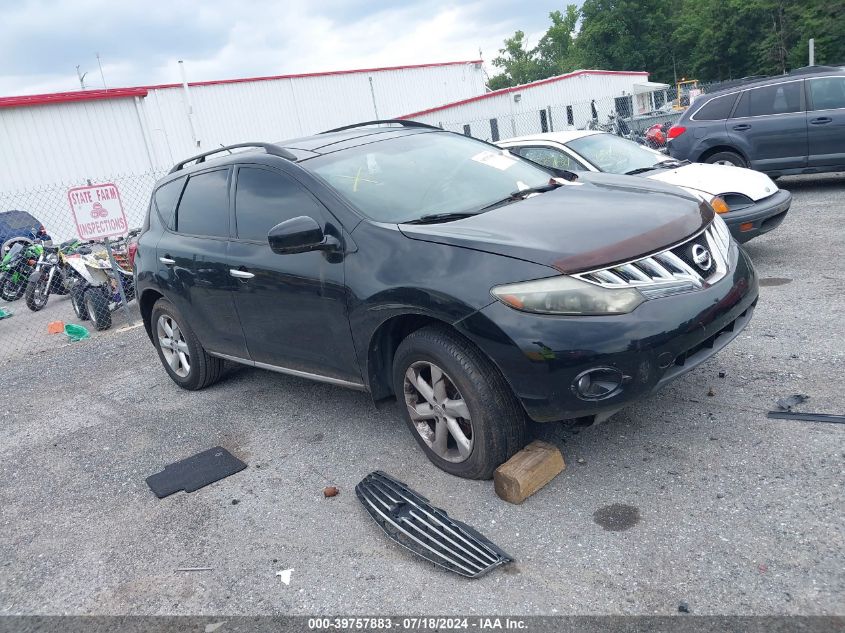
x=97 y=293
x=17 y=266
x=655 y=136
x=51 y=275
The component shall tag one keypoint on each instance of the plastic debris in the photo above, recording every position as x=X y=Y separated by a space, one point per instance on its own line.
x=76 y=332
x=786 y=404
x=5 y=312
x=55 y=327
x=330 y=491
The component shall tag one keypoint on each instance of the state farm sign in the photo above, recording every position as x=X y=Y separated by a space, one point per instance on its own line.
x=97 y=211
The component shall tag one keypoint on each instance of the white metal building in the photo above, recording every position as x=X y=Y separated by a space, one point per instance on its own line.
x=75 y=136
x=556 y=103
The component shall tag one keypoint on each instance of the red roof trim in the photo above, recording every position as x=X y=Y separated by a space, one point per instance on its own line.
x=141 y=91
x=320 y=74
x=496 y=93
x=64 y=97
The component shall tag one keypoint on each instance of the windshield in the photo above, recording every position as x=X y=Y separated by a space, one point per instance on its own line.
x=402 y=179
x=614 y=154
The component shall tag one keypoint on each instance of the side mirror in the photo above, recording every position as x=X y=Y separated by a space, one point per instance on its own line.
x=299 y=235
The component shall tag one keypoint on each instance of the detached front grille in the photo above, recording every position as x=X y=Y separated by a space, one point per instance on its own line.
x=699 y=260
x=410 y=520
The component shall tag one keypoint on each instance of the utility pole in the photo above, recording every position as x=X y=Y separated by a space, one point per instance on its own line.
x=102 y=76
x=812 y=51
x=81 y=77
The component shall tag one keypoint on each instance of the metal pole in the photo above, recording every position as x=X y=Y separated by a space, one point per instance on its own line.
x=117 y=275
x=373 y=94
x=812 y=51
x=189 y=108
x=102 y=76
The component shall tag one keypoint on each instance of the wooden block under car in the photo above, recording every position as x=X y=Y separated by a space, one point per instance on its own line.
x=528 y=471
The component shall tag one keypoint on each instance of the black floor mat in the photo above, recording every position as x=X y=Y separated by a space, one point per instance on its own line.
x=195 y=472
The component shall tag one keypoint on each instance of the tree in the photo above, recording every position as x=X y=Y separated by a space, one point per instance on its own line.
x=555 y=49
x=519 y=64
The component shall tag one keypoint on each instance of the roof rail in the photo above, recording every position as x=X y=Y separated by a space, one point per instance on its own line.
x=809 y=70
x=402 y=122
x=270 y=148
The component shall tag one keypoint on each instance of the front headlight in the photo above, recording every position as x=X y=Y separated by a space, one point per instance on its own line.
x=719 y=205
x=565 y=295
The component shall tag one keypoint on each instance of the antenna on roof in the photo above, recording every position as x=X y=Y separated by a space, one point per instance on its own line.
x=81 y=76
x=102 y=76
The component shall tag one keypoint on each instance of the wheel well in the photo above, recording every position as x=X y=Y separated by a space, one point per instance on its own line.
x=721 y=148
x=146 y=303
x=383 y=346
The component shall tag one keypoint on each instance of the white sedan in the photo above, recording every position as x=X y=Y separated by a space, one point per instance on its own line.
x=748 y=201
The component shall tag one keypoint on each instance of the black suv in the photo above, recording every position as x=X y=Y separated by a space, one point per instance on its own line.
x=474 y=286
x=790 y=124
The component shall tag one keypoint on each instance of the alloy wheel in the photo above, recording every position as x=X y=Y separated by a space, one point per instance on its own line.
x=173 y=345
x=438 y=411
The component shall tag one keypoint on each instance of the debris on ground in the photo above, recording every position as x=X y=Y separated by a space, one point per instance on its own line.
x=195 y=472
x=527 y=471
x=5 y=312
x=806 y=417
x=55 y=327
x=787 y=403
x=235 y=502
x=710 y=392
x=76 y=332
x=330 y=491
x=438 y=538
x=722 y=374
x=683 y=607
x=581 y=460
x=284 y=575
x=193 y=569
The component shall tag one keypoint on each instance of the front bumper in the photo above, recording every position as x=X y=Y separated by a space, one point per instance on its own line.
x=761 y=217
x=662 y=339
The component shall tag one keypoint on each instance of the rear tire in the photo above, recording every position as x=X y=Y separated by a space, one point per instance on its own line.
x=726 y=158
x=97 y=305
x=181 y=354
x=475 y=405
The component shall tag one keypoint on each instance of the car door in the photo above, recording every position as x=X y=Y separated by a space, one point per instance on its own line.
x=292 y=307
x=192 y=259
x=549 y=157
x=769 y=122
x=826 y=121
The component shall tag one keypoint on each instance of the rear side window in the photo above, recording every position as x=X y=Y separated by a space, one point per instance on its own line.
x=204 y=208
x=265 y=198
x=717 y=109
x=166 y=198
x=549 y=157
x=827 y=93
x=776 y=99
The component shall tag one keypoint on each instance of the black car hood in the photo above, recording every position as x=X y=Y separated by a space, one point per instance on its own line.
x=599 y=220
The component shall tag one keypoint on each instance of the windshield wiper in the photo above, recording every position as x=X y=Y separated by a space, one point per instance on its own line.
x=663 y=163
x=434 y=218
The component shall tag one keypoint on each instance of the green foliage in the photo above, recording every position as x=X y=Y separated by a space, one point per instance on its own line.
x=706 y=39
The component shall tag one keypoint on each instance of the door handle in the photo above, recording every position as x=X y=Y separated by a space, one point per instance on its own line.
x=240 y=274
x=821 y=120
x=167 y=261
x=742 y=127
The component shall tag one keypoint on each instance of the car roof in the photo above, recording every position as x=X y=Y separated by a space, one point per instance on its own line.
x=558 y=137
x=755 y=82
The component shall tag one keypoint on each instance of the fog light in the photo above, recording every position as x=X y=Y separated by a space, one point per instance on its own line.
x=597 y=383
x=746 y=226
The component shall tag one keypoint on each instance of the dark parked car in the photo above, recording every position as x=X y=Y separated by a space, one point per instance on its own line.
x=20 y=224
x=790 y=124
x=411 y=262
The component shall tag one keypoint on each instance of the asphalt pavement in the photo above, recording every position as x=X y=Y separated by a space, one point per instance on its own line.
x=690 y=496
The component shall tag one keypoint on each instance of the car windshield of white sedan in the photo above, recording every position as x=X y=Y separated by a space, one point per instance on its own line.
x=405 y=178
x=614 y=154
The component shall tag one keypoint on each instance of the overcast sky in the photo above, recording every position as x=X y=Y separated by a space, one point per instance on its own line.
x=140 y=42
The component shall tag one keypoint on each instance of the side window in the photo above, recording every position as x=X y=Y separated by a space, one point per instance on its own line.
x=166 y=198
x=717 y=109
x=265 y=198
x=827 y=93
x=550 y=158
x=204 y=208
x=776 y=99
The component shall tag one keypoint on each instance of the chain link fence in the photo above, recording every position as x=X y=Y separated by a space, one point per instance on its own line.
x=52 y=282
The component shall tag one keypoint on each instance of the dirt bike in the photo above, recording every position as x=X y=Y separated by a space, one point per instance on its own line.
x=18 y=262
x=51 y=275
x=97 y=294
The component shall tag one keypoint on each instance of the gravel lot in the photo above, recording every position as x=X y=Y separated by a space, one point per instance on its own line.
x=737 y=514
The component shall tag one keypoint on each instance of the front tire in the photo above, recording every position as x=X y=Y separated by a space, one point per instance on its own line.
x=457 y=405
x=97 y=305
x=179 y=350
x=36 y=294
x=77 y=291
x=9 y=291
x=726 y=158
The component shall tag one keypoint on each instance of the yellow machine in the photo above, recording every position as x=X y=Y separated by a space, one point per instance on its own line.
x=687 y=90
